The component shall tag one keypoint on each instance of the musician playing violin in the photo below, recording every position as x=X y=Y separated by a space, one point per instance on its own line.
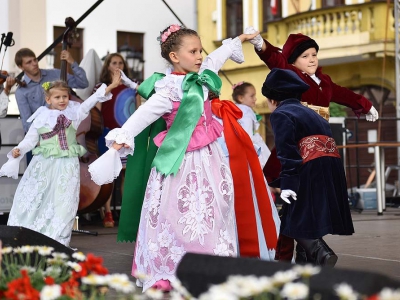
x=31 y=97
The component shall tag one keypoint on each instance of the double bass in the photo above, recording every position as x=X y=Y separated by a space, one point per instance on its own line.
x=91 y=196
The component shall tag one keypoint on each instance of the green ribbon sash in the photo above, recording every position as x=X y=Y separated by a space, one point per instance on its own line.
x=170 y=155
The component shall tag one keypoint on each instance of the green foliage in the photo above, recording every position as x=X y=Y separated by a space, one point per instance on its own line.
x=337 y=110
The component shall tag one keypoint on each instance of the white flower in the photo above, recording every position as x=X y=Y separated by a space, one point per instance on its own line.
x=294 y=290
x=75 y=266
x=60 y=255
x=179 y=288
x=154 y=293
x=29 y=269
x=94 y=280
x=283 y=277
x=307 y=270
x=27 y=249
x=54 y=271
x=219 y=292
x=120 y=282
x=6 y=250
x=139 y=275
x=345 y=292
x=50 y=292
x=79 y=256
x=389 y=294
x=17 y=250
x=44 y=250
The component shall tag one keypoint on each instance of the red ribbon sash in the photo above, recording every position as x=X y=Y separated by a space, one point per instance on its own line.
x=314 y=146
x=242 y=156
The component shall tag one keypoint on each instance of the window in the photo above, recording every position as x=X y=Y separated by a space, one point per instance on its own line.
x=272 y=10
x=76 y=48
x=330 y=3
x=234 y=18
x=134 y=41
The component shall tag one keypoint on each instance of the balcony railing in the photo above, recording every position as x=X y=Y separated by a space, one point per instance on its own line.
x=335 y=22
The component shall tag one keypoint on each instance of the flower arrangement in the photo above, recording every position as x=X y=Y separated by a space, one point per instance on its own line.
x=37 y=272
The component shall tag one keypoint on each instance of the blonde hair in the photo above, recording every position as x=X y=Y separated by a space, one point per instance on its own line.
x=57 y=84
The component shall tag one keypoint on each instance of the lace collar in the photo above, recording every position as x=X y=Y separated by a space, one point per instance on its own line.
x=45 y=117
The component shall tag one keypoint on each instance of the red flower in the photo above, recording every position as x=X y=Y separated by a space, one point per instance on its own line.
x=49 y=280
x=92 y=265
x=70 y=288
x=21 y=289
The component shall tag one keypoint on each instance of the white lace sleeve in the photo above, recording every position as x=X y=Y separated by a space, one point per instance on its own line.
x=11 y=167
x=3 y=104
x=146 y=114
x=106 y=168
x=89 y=103
x=231 y=48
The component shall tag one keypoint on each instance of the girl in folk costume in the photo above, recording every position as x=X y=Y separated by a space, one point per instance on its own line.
x=188 y=203
x=47 y=196
x=256 y=215
x=244 y=95
x=312 y=172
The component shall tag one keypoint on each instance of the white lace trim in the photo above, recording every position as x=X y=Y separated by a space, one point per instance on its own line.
x=106 y=168
x=121 y=136
x=236 y=47
x=170 y=87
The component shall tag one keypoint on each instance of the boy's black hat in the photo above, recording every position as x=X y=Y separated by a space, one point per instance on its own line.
x=282 y=84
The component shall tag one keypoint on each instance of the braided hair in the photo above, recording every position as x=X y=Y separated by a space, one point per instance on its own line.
x=174 y=41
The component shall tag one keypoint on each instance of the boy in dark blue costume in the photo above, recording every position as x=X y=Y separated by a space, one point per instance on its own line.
x=312 y=173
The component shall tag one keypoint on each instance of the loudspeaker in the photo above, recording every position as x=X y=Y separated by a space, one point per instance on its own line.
x=198 y=272
x=16 y=236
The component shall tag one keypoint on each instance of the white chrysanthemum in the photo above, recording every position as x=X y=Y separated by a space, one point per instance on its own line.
x=44 y=250
x=60 y=255
x=55 y=261
x=7 y=250
x=389 y=294
x=244 y=286
x=219 y=292
x=93 y=279
x=27 y=249
x=140 y=276
x=294 y=290
x=79 y=256
x=283 y=277
x=50 y=292
x=154 y=293
x=175 y=295
x=120 y=282
x=74 y=266
x=306 y=270
x=17 y=250
x=179 y=288
x=345 y=292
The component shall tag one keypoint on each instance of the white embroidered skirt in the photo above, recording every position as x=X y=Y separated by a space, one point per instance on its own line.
x=47 y=197
x=190 y=212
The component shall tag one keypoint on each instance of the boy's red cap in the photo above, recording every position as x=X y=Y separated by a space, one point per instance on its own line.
x=296 y=44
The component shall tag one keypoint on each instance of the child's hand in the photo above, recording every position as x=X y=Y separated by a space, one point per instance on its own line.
x=248 y=36
x=257 y=41
x=117 y=146
x=15 y=152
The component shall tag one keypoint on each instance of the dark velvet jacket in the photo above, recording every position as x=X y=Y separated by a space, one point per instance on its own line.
x=322 y=205
x=324 y=93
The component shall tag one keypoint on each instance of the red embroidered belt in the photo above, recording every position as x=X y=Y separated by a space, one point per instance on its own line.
x=314 y=146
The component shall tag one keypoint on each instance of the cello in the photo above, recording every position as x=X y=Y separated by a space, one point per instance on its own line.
x=91 y=196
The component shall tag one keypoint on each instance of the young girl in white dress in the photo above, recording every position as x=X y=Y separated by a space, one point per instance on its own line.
x=47 y=197
x=188 y=204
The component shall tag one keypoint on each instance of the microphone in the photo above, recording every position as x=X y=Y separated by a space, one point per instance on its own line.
x=9 y=42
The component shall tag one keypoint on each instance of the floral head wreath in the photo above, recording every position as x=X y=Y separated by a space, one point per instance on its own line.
x=166 y=33
x=237 y=84
x=46 y=86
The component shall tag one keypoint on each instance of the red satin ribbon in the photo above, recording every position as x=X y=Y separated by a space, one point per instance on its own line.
x=243 y=156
